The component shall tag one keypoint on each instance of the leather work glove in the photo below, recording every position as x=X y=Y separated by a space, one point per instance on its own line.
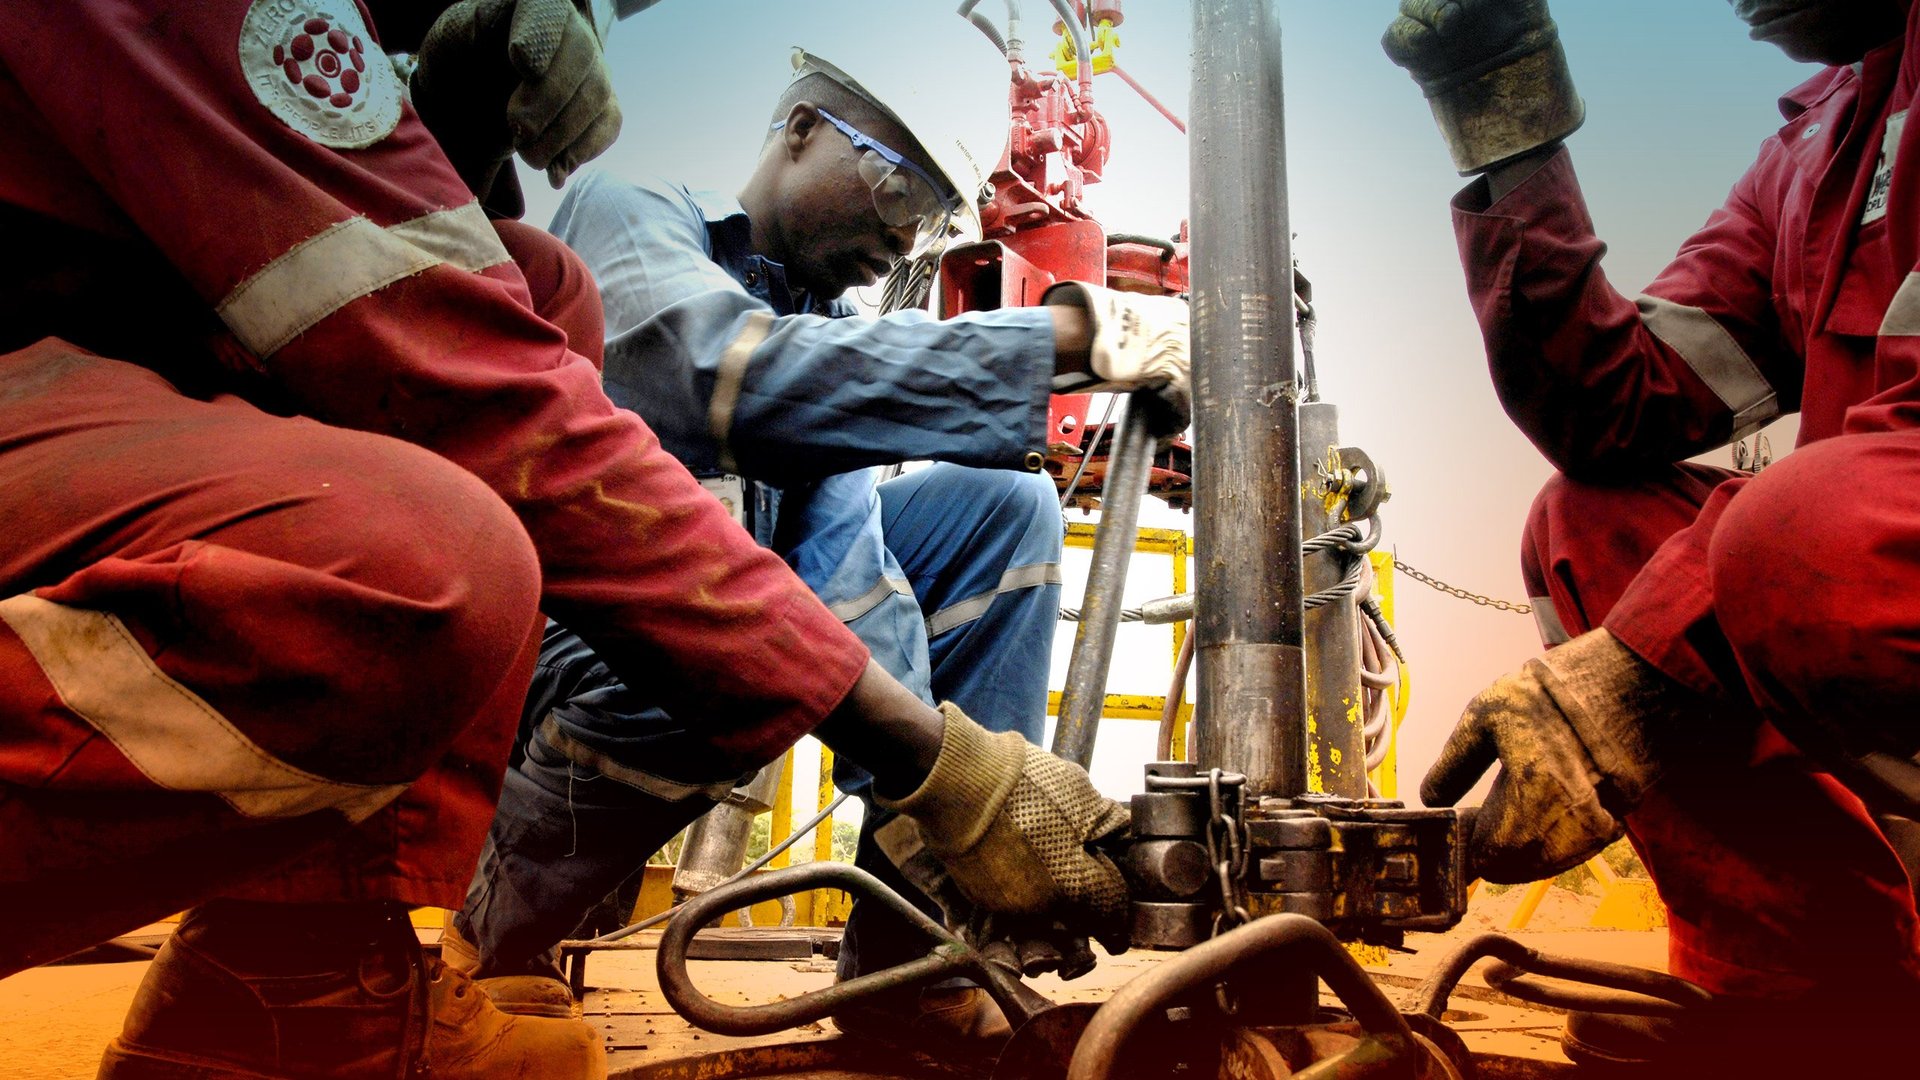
x=499 y=76
x=1494 y=73
x=1575 y=734
x=1140 y=342
x=1017 y=830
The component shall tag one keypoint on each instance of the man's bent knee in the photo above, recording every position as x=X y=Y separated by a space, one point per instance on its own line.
x=1813 y=584
x=352 y=609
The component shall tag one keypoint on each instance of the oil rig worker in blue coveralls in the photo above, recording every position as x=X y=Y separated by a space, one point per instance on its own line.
x=726 y=333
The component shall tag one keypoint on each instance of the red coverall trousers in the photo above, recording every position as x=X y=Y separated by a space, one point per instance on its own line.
x=295 y=587
x=1775 y=878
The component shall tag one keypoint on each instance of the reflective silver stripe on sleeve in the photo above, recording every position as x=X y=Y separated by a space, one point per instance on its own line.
x=1718 y=359
x=727 y=380
x=461 y=237
x=1029 y=576
x=1547 y=618
x=1903 y=314
x=174 y=737
x=849 y=610
x=346 y=261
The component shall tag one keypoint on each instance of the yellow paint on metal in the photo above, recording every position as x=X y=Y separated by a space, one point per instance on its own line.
x=1529 y=903
x=656 y=896
x=782 y=824
x=1386 y=778
x=1316 y=776
x=1626 y=903
x=1182 y=553
x=1368 y=955
x=1127 y=707
x=1101 y=44
x=822 y=835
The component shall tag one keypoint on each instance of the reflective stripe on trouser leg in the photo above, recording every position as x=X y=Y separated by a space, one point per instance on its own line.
x=168 y=733
x=1757 y=904
x=982 y=548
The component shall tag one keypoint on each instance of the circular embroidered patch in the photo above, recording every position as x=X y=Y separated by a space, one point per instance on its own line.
x=313 y=65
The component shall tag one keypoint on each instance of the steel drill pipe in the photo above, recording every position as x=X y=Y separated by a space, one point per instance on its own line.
x=1336 y=741
x=1250 y=712
x=1083 y=696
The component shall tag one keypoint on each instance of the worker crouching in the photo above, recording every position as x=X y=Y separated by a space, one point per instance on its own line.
x=1731 y=670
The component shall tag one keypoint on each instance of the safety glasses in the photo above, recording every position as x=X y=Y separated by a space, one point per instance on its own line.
x=904 y=194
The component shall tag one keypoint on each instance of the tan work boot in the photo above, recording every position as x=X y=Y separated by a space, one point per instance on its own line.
x=521 y=995
x=249 y=991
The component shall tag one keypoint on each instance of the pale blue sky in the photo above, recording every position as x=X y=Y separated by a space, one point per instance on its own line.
x=1678 y=101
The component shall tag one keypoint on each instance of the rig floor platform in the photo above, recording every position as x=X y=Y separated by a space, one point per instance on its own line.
x=54 y=1021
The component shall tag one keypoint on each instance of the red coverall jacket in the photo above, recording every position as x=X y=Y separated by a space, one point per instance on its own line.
x=1792 y=592
x=163 y=163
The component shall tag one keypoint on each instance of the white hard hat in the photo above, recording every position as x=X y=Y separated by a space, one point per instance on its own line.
x=954 y=106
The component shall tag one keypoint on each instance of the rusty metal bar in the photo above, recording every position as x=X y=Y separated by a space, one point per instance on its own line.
x=1083 y=695
x=1266 y=944
x=1250 y=713
x=1606 y=987
x=947 y=957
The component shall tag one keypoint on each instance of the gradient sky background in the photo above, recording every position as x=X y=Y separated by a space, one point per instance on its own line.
x=1678 y=101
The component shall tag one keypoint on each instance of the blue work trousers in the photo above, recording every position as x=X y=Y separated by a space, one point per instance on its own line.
x=581 y=811
x=984 y=560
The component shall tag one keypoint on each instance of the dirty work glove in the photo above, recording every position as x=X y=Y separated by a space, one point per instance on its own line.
x=499 y=76
x=1580 y=735
x=1140 y=342
x=1494 y=73
x=1026 y=944
x=1016 y=828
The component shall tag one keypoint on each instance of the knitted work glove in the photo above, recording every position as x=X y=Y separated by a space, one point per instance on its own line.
x=1580 y=735
x=499 y=76
x=1494 y=73
x=1017 y=831
x=1140 y=342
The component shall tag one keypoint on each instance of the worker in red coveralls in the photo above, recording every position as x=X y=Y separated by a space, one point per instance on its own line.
x=1699 y=615
x=288 y=465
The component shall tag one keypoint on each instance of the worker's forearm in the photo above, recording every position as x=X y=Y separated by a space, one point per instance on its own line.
x=1072 y=340
x=888 y=730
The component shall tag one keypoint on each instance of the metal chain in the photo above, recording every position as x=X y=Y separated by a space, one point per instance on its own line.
x=1460 y=593
x=1227 y=853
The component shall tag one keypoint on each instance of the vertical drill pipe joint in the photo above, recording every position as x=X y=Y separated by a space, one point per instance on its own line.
x=1083 y=697
x=1250 y=711
x=1335 y=739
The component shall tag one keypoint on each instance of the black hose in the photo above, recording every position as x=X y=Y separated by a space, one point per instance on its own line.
x=1165 y=247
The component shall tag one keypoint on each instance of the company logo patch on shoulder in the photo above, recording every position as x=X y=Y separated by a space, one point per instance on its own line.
x=313 y=65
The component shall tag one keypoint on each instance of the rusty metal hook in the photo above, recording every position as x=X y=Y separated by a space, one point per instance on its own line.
x=1390 y=1045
